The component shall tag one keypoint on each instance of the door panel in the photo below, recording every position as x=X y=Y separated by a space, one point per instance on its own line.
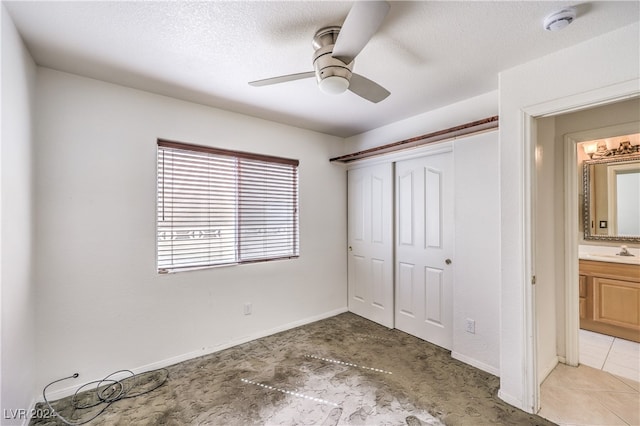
x=434 y=296
x=378 y=283
x=405 y=288
x=358 y=267
x=405 y=209
x=378 y=205
x=370 y=239
x=424 y=212
x=433 y=208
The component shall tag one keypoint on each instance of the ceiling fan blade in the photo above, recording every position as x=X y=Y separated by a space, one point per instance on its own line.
x=363 y=20
x=367 y=89
x=282 y=79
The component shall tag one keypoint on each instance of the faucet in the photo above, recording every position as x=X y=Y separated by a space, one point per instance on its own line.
x=624 y=251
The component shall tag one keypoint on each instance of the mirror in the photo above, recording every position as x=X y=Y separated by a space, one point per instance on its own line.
x=611 y=180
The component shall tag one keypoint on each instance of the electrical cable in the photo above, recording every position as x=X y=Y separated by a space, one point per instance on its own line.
x=107 y=391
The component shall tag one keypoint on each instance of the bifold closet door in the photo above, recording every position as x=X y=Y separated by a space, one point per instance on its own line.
x=424 y=248
x=370 y=243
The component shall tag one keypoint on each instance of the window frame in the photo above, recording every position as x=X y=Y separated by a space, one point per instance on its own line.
x=241 y=157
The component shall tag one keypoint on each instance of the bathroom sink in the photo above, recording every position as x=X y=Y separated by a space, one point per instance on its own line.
x=604 y=257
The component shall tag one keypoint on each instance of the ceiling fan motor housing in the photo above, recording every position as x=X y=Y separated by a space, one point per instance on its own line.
x=326 y=65
x=332 y=74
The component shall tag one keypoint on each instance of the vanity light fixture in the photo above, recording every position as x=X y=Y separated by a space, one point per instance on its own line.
x=601 y=150
x=589 y=149
x=560 y=19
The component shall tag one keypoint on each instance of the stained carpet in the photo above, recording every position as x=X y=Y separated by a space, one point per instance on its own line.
x=344 y=370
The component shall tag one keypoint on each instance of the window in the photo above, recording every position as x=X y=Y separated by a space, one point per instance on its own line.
x=221 y=207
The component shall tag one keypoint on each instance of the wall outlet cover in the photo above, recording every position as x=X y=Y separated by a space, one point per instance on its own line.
x=471 y=326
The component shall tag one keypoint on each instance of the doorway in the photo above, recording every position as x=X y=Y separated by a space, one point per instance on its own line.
x=557 y=172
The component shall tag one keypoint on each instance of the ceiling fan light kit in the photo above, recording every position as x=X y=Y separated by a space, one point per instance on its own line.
x=560 y=19
x=332 y=74
x=335 y=50
x=334 y=85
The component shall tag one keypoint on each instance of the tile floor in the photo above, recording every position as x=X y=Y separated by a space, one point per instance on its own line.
x=603 y=390
x=616 y=356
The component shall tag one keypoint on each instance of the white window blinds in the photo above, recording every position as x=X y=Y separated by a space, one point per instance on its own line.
x=218 y=207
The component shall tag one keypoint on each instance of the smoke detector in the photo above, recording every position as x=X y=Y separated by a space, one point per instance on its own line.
x=558 y=20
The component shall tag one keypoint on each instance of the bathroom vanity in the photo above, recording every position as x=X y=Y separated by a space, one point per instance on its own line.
x=610 y=297
x=609 y=272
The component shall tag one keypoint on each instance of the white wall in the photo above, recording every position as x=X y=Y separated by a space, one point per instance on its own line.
x=598 y=70
x=472 y=109
x=476 y=292
x=477 y=218
x=101 y=304
x=16 y=207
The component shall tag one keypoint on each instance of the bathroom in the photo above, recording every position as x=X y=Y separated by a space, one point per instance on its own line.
x=587 y=289
x=609 y=274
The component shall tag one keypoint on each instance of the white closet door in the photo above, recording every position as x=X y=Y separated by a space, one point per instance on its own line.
x=424 y=247
x=370 y=239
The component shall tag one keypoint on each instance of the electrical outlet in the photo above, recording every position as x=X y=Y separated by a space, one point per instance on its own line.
x=471 y=326
x=248 y=308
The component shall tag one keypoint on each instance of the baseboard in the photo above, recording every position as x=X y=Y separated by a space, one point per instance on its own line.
x=32 y=410
x=64 y=392
x=510 y=399
x=475 y=363
x=548 y=369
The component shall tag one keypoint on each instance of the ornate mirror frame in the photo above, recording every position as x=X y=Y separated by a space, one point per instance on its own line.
x=586 y=177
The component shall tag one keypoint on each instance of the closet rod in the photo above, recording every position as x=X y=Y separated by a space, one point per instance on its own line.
x=466 y=129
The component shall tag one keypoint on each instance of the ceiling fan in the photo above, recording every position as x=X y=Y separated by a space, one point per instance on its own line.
x=335 y=50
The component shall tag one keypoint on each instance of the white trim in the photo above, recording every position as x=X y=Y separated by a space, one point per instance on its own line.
x=439 y=147
x=531 y=394
x=432 y=149
x=69 y=390
x=509 y=399
x=571 y=278
x=475 y=363
x=589 y=99
x=548 y=369
x=605 y=132
x=32 y=410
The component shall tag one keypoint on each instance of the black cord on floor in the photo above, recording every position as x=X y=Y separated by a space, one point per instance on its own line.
x=107 y=391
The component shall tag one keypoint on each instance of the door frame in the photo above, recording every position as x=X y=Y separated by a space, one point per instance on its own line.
x=572 y=103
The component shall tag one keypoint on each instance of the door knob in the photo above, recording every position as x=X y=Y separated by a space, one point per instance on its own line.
x=448 y=261
x=350 y=248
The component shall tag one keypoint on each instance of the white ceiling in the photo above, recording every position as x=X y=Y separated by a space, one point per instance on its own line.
x=427 y=54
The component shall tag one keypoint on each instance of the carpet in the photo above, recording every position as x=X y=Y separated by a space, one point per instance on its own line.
x=344 y=370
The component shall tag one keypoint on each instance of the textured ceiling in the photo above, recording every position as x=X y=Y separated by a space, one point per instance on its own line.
x=427 y=54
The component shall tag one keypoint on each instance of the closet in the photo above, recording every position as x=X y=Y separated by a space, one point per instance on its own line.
x=400 y=244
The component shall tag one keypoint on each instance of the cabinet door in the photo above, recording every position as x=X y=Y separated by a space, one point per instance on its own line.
x=583 y=297
x=617 y=302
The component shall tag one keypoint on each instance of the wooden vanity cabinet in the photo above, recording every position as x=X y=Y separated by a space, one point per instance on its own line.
x=610 y=298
